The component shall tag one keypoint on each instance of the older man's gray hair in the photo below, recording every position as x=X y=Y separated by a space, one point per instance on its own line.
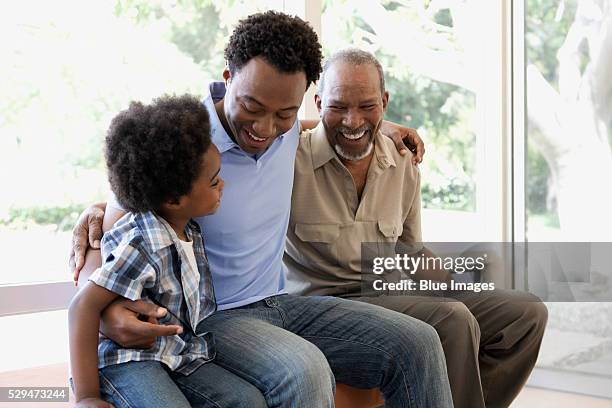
x=353 y=56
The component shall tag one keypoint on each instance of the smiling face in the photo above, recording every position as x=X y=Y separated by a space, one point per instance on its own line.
x=352 y=107
x=260 y=104
x=207 y=189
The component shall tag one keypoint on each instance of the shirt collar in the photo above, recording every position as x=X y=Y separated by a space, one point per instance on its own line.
x=382 y=151
x=158 y=234
x=322 y=151
x=216 y=92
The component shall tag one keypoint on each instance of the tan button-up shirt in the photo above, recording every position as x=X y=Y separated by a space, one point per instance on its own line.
x=328 y=222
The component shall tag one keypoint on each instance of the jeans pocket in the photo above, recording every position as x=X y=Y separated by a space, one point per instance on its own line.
x=110 y=393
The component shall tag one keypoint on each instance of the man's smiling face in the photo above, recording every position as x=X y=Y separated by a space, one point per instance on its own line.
x=261 y=103
x=352 y=107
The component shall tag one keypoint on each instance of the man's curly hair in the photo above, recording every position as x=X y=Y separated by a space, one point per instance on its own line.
x=154 y=152
x=287 y=43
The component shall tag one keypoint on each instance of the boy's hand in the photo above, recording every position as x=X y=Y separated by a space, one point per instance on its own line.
x=93 y=403
x=87 y=232
x=121 y=323
x=405 y=139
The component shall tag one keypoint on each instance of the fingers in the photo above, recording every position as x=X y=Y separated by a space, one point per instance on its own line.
x=418 y=147
x=95 y=226
x=145 y=308
x=79 y=247
x=145 y=329
x=87 y=231
x=401 y=146
x=420 y=152
x=72 y=267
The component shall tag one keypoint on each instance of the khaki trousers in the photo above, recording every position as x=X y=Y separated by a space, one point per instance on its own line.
x=490 y=339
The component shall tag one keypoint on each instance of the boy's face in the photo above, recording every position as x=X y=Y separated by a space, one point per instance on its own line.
x=261 y=103
x=205 y=195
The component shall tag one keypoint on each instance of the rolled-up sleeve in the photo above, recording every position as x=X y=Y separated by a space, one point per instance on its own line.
x=126 y=272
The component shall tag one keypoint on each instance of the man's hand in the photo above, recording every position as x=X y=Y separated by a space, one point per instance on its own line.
x=93 y=403
x=87 y=232
x=405 y=139
x=133 y=324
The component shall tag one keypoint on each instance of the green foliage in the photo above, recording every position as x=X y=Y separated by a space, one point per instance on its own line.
x=441 y=111
x=444 y=17
x=546 y=27
x=199 y=28
x=545 y=33
x=536 y=175
x=63 y=218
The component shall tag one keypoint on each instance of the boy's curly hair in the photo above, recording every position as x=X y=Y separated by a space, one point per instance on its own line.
x=287 y=43
x=154 y=152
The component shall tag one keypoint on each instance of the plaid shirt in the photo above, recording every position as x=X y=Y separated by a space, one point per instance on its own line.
x=142 y=258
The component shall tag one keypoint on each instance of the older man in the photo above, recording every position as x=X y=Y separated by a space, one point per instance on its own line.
x=351 y=186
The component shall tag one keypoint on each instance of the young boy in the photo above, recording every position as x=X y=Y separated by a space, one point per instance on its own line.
x=164 y=170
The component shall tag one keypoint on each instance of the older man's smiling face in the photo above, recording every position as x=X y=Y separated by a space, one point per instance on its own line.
x=352 y=108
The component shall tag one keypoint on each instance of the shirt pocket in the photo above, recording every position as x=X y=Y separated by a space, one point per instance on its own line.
x=390 y=229
x=320 y=238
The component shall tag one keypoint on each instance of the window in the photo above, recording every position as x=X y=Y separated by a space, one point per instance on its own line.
x=68 y=69
x=568 y=53
x=444 y=80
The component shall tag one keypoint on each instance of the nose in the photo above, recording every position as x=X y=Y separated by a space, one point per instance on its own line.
x=221 y=186
x=265 y=127
x=352 y=119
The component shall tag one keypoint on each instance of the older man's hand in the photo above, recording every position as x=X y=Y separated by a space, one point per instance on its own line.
x=86 y=233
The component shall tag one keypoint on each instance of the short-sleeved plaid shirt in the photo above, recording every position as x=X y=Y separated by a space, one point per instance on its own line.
x=142 y=258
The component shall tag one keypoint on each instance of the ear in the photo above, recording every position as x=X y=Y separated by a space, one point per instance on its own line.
x=385 y=100
x=226 y=75
x=172 y=205
x=317 y=100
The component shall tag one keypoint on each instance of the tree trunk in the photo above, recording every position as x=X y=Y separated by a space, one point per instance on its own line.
x=574 y=125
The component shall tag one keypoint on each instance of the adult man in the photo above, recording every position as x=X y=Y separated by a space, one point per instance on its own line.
x=351 y=187
x=291 y=348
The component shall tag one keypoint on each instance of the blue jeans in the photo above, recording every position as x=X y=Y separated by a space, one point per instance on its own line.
x=149 y=384
x=294 y=348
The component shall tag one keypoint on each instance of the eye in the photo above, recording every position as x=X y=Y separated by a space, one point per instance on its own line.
x=285 y=117
x=368 y=107
x=250 y=110
x=215 y=183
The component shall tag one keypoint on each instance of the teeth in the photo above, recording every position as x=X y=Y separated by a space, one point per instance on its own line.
x=353 y=136
x=259 y=139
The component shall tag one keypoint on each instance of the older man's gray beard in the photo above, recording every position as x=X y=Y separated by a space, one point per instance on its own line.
x=354 y=157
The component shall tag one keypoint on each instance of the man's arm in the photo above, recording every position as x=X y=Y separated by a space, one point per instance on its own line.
x=404 y=138
x=121 y=320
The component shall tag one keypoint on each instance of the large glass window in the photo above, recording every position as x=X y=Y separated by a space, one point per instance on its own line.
x=434 y=62
x=68 y=68
x=568 y=163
